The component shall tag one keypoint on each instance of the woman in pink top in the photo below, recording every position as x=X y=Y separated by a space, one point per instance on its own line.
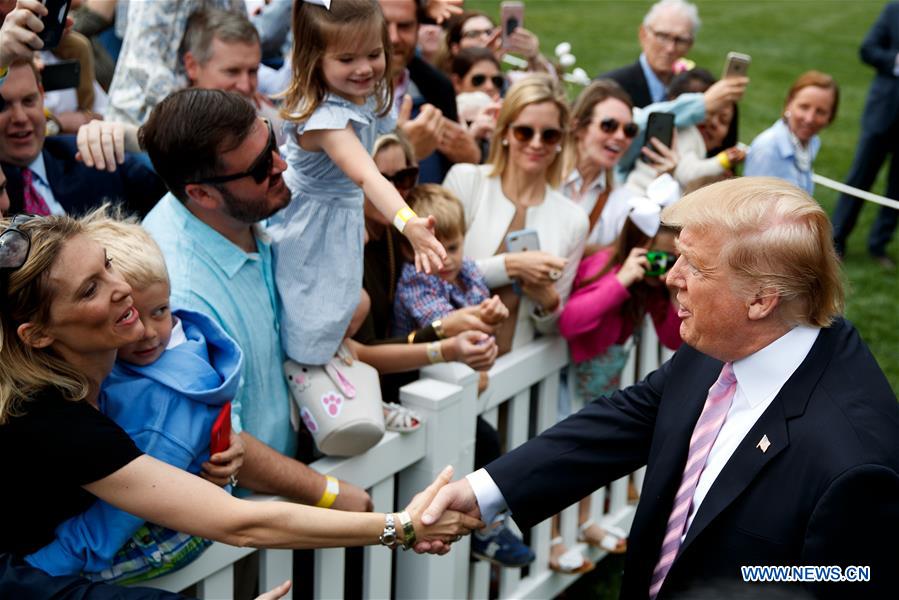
x=614 y=289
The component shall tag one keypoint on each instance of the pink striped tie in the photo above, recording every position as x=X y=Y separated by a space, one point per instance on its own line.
x=721 y=394
x=34 y=203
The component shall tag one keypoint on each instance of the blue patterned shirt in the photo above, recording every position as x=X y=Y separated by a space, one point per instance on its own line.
x=422 y=298
x=211 y=275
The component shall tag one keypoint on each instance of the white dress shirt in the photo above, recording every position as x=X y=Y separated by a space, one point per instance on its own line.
x=759 y=378
x=610 y=222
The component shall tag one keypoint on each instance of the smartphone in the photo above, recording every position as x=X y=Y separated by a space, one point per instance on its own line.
x=220 y=436
x=660 y=262
x=61 y=76
x=736 y=65
x=511 y=18
x=522 y=240
x=659 y=125
x=54 y=22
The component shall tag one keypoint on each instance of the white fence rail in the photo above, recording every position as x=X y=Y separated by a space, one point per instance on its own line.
x=524 y=385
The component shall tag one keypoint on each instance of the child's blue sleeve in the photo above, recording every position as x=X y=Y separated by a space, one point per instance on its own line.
x=89 y=541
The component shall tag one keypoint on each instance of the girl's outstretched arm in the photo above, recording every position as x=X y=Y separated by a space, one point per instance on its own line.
x=350 y=155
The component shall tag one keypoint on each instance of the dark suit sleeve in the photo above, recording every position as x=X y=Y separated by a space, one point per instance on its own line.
x=607 y=439
x=143 y=187
x=879 y=49
x=856 y=522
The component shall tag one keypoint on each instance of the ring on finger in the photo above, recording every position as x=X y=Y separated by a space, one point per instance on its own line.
x=233 y=480
x=555 y=274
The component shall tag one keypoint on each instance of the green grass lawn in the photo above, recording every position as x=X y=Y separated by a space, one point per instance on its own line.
x=784 y=38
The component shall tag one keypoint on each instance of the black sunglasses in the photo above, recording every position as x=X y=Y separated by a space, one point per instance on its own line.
x=404 y=179
x=611 y=125
x=524 y=134
x=15 y=245
x=259 y=170
x=480 y=79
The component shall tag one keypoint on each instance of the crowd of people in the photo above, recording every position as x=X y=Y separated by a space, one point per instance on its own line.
x=229 y=204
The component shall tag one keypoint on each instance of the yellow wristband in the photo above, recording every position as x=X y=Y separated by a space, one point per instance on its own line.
x=402 y=217
x=435 y=353
x=724 y=160
x=332 y=490
x=4 y=71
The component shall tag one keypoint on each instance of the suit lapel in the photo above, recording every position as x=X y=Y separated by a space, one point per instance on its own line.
x=748 y=459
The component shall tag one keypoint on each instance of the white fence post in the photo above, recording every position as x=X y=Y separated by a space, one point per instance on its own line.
x=449 y=413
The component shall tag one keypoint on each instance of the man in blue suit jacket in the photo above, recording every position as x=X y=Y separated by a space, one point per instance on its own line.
x=879 y=137
x=804 y=467
x=65 y=184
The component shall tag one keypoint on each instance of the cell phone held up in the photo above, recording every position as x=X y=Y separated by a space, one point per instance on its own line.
x=736 y=65
x=511 y=18
x=660 y=262
x=64 y=75
x=220 y=435
x=54 y=22
x=659 y=125
x=521 y=241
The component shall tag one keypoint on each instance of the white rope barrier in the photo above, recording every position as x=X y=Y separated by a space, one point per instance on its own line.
x=848 y=189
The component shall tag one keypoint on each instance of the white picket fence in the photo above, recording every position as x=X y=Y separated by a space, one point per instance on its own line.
x=446 y=397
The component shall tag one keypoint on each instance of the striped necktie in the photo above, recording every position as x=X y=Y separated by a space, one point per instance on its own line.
x=718 y=402
x=34 y=203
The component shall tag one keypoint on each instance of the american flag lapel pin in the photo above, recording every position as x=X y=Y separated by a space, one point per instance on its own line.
x=763 y=444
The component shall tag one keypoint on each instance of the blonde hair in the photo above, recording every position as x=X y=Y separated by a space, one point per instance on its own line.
x=395 y=138
x=431 y=199
x=775 y=237
x=135 y=255
x=315 y=28
x=533 y=89
x=24 y=369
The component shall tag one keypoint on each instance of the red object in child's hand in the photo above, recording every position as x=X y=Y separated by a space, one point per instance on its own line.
x=220 y=438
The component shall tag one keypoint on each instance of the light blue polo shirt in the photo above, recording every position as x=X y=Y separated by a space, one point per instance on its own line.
x=210 y=274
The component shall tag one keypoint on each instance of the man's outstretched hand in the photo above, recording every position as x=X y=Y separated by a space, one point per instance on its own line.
x=457 y=496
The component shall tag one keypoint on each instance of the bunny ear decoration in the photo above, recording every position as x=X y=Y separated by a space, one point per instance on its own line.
x=325 y=3
x=646 y=211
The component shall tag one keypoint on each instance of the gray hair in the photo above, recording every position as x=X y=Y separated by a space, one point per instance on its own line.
x=687 y=9
x=208 y=24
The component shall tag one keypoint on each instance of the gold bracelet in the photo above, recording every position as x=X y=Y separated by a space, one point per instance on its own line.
x=435 y=353
x=408 y=529
x=437 y=325
x=332 y=490
x=724 y=160
x=410 y=339
x=402 y=217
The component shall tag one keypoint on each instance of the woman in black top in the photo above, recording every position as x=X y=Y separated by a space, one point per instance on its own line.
x=65 y=311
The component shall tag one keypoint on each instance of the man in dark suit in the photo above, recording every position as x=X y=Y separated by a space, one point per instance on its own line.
x=770 y=438
x=666 y=35
x=879 y=137
x=43 y=176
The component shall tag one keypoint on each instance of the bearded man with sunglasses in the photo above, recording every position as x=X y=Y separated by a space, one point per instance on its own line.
x=222 y=167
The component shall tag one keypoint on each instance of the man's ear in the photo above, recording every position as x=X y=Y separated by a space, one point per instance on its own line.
x=191 y=66
x=764 y=304
x=32 y=335
x=203 y=195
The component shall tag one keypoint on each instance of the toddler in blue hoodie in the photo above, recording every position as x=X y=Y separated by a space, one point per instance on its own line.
x=165 y=391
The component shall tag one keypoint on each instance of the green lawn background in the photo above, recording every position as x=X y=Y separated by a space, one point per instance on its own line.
x=784 y=38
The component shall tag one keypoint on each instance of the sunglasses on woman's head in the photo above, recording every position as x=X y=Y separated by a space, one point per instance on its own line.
x=611 y=125
x=480 y=79
x=404 y=179
x=525 y=133
x=261 y=168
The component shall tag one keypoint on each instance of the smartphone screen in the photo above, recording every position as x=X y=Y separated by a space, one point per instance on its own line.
x=63 y=75
x=512 y=17
x=660 y=125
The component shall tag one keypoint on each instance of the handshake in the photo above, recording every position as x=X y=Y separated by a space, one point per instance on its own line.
x=441 y=514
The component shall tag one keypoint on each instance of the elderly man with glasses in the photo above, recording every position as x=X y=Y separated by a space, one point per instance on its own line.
x=666 y=35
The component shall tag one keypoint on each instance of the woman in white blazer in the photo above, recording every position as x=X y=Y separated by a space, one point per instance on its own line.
x=515 y=191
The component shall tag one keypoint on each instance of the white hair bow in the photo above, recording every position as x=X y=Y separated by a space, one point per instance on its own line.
x=325 y=3
x=646 y=211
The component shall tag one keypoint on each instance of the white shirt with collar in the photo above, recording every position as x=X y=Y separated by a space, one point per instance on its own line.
x=606 y=229
x=760 y=376
x=42 y=185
